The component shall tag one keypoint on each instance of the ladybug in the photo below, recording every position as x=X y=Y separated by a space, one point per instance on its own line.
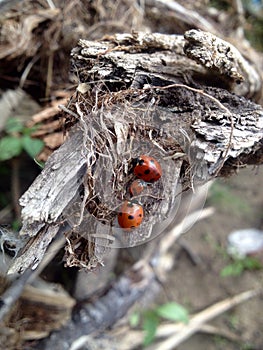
x=130 y=215
x=147 y=169
x=137 y=186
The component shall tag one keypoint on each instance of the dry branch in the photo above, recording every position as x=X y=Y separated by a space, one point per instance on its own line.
x=206 y=315
x=138 y=99
x=142 y=94
x=171 y=335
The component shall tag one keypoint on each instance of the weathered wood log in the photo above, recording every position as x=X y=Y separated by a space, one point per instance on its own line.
x=140 y=93
x=137 y=94
x=193 y=65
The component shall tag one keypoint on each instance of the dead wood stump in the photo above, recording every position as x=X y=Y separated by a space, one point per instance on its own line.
x=181 y=99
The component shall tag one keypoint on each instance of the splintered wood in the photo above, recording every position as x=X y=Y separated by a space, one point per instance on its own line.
x=169 y=96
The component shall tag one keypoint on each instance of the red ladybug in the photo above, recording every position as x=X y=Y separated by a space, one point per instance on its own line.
x=147 y=169
x=130 y=215
x=137 y=186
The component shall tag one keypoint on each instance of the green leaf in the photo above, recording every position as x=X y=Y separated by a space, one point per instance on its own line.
x=173 y=311
x=150 y=324
x=32 y=146
x=16 y=225
x=13 y=125
x=29 y=131
x=252 y=263
x=10 y=147
x=238 y=266
x=234 y=269
x=134 y=319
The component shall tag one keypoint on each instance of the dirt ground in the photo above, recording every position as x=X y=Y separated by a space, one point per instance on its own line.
x=197 y=286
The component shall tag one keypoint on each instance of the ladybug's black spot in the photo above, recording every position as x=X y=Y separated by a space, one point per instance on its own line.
x=140 y=215
x=152 y=180
x=139 y=174
x=141 y=162
x=132 y=227
x=147 y=171
x=120 y=214
x=130 y=217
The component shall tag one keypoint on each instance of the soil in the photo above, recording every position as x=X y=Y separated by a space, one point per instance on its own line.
x=199 y=285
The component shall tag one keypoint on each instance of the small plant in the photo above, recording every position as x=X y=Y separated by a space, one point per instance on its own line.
x=220 y=342
x=233 y=322
x=17 y=139
x=239 y=265
x=151 y=319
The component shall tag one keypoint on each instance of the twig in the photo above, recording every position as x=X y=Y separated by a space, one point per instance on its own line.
x=49 y=74
x=203 y=317
x=51 y=4
x=195 y=258
x=65 y=109
x=177 y=231
x=190 y=17
x=170 y=329
x=27 y=70
x=134 y=338
x=206 y=328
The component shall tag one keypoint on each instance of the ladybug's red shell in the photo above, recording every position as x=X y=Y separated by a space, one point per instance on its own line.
x=137 y=186
x=130 y=215
x=147 y=169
